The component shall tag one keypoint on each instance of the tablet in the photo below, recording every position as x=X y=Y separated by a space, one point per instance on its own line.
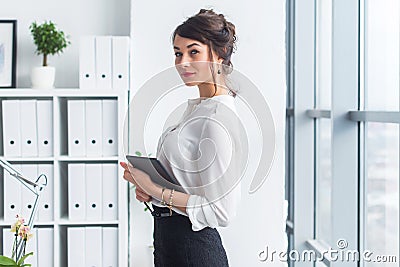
x=154 y=168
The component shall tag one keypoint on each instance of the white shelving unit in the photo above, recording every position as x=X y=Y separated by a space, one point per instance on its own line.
x=60 y=160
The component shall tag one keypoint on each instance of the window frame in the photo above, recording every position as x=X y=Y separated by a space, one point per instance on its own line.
x=348 y=119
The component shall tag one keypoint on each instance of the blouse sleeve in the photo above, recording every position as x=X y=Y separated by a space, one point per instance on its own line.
x=220 y=190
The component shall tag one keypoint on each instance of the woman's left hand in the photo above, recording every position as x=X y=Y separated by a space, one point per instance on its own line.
x=138 y=178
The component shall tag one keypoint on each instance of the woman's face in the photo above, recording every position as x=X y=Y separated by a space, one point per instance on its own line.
x=192 y=61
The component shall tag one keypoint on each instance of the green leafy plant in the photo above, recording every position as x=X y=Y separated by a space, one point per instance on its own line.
x=8 y=262
x=22 y=235
x=48 y=39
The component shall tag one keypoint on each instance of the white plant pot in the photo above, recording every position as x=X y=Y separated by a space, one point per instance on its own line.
x=43 y=77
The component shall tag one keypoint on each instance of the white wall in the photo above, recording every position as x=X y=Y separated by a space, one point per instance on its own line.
x=261 y=57
x=74 y=17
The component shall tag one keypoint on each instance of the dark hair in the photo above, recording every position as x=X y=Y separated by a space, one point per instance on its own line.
x=215 y=31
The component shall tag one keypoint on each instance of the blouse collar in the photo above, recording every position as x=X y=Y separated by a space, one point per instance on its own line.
x=194 y=101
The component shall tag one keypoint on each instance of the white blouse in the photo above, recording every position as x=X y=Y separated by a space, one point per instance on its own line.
x=201 y=152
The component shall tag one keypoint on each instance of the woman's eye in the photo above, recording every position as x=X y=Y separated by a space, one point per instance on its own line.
x=194 y=52
x=178 y=54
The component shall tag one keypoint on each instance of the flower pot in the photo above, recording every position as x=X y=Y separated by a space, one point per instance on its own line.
x=43 y=77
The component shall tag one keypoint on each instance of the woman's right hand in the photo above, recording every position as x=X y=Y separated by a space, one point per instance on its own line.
x=140 y=194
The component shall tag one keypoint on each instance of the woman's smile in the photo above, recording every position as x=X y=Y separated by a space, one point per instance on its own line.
x=188 y=74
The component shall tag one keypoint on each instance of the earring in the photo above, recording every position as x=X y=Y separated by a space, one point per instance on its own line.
x=219 y=71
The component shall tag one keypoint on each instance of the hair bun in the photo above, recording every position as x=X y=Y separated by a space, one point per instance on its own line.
x=207 y=12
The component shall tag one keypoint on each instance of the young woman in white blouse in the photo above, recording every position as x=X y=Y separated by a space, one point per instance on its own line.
x=201 y=151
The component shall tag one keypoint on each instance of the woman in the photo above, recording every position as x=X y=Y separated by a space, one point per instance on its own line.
x=201 y=151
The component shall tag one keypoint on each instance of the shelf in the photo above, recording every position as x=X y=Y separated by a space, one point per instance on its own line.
x=36 y=159
x=86 y=159
x=22 y=92
x=64 y=159
x=59 y=181
x=65 y=222
x=86 y=93
x=59 y=92
x=2 y=224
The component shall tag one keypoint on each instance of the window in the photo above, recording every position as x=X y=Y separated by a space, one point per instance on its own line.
x=343 y=127
x=382 y=189
x=381 y=79
x=323 y=77
x=381 y=45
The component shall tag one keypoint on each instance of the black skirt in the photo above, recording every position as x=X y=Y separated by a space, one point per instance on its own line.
x=177 y=245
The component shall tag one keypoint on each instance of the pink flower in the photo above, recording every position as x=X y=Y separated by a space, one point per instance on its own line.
x=15 y=227
x=20 y=229
x=25 y=232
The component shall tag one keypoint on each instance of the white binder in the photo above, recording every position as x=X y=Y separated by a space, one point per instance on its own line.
x=28 y=123
x=46 y=204
x=11 y=128
x=120 y=62
x=87 y=63
x=93 y=192
x=110 y=127
x=94 y=127
x=45 y=127
x=110 y=247
x=28 y=198
x=45 y=247
x=76 y=246
x=31 y=246
x=110 y=191
x=76 y=128
x=12 y=196
x=93 y=246
x=76 y=192
x=103 y=63
x=8 y=241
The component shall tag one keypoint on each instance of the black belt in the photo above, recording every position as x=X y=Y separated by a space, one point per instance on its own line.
x=160 y=212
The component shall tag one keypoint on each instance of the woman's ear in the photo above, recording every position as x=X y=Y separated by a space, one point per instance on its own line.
x=222 y=59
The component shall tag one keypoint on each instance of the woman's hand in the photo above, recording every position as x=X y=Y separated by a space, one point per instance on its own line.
x=140 y=179
x=142 y=196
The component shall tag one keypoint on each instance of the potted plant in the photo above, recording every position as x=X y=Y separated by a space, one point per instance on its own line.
x=22 y=234
x=49 y=41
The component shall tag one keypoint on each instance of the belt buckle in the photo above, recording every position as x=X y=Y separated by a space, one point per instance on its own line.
x=160 y=214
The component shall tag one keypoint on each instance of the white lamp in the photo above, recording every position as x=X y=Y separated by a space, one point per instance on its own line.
x=36 y=187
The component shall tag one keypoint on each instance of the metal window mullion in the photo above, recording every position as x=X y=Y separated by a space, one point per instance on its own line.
x=318 y=113
x=363 y=189
x=289 y=226
x=375 y=116
x=316 y=171
x=320 y=249
x=304 y=49
x=289 y=112
x=290 y=125
x=289 y=108
x=345 y=84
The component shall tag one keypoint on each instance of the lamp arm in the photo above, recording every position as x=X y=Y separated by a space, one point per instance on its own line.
x=34 y=210
x=26 y=182
x=36 y=188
